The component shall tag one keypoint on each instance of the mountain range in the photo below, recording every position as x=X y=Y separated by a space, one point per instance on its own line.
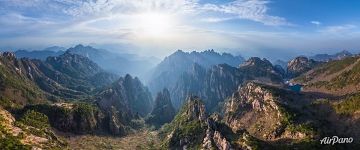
x=196 y=100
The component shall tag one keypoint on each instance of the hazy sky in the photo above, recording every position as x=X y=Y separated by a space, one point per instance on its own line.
x=276 y=28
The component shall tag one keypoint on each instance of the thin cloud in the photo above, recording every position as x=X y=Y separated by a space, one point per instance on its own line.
x=255 y=10
x=317 y=23
x=338 y=29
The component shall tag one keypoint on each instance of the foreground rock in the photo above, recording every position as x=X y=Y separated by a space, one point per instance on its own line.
x=192 y=129
x=265 y=112
x=30 y=132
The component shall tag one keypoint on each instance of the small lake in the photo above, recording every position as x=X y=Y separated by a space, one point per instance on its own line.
x=296 y=87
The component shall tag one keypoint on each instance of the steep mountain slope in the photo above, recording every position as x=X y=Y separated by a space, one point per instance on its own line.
x=30 y=81
x=220 y=81
x=163 y=110
x=69 y=76
x=168 y=71
x=16 y=89
x=334 y=77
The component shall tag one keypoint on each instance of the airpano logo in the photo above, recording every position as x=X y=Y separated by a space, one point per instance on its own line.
x=336 y=140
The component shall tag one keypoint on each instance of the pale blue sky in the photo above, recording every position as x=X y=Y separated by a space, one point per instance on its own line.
x=276 y=28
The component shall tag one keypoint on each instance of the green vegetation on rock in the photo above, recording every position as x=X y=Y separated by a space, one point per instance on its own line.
x=348 y=105
x=35 y=119
x=8 y=141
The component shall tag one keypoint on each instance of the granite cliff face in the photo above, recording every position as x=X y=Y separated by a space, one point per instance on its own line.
x=163 y=110
x=266 y=112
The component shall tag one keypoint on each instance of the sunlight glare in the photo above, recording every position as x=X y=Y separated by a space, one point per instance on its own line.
x=154 y=24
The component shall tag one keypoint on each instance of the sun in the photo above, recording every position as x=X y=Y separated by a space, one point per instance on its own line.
x=154 y=24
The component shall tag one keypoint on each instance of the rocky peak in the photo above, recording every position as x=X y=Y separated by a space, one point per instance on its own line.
x=253 y=96
x=261 y=70
x=300 y=65
x=8 y=55
x=256 y=61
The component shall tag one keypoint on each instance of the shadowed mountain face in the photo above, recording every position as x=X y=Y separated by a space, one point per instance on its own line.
x=126 y=94
x=168 y=71
x=220 y=81
x=163 y=110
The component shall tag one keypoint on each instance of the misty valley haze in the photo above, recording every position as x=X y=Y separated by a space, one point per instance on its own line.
x=179 y=74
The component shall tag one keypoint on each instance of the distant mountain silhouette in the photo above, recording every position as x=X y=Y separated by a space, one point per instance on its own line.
x=117 y=63
x=327 y=57
x=40 y=54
